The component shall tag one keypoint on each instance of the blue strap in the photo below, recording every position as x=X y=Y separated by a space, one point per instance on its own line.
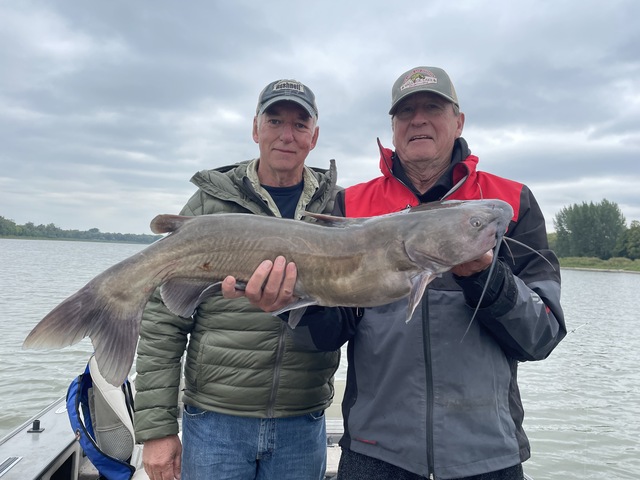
x=78 y=400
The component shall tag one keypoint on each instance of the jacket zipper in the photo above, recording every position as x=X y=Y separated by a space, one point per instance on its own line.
x=253 y=195
x=276 y=370
x=429 y=381
x=425 y=324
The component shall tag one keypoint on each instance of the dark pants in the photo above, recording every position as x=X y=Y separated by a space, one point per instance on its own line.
x=355 y=466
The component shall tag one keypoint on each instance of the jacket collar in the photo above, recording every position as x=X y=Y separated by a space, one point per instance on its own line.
x=463 y=164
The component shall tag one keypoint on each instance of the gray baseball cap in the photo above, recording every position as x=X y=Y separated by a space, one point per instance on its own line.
x=287 y=90
x=422 y=79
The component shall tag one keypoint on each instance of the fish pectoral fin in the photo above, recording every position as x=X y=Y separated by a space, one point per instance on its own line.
x=182 y=295
x=418 y=286
x=295 y=316
x=296 y=310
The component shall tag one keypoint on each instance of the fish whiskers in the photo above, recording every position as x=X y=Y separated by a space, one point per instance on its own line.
x=500 y=238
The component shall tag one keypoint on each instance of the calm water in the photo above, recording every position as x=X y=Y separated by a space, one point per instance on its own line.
x=582 y=403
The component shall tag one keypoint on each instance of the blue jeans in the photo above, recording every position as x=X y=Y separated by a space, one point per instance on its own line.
x=228 y=447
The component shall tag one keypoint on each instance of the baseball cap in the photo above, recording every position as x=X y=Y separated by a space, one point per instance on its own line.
x=422 y=79
x=287 y=90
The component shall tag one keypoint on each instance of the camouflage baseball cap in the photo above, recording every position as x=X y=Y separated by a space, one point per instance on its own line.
x=287 y=90
x=422 y=79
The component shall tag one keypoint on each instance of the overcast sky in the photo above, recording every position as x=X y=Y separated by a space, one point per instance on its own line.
x=108 y=108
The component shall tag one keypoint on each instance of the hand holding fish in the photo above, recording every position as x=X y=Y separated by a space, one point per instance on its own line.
x=474 y=266
x=270 y=288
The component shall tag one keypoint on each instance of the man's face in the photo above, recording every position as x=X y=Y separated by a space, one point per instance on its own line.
x=285 y=135
x=425 y=127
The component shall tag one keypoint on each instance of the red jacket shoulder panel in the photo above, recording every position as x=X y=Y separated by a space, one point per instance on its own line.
x=386 y=194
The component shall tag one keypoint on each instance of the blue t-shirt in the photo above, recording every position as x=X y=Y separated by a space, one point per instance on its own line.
x=286 y=198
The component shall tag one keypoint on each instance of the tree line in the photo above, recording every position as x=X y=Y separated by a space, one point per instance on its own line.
x=595 y=230
x=8 y=228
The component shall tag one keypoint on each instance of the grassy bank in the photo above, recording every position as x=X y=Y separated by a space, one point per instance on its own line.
x=617 y=263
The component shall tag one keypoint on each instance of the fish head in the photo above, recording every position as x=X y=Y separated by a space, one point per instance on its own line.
x=440 y=238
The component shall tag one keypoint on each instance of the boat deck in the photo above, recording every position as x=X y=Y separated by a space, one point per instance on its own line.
x=49 y=449
x=41 y=447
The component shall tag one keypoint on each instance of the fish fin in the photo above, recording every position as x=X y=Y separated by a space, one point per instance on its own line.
x=168 y=223
x=296 y=310
x=113 y=329
x=331 y=221
x=295 y=316
x=423 y=207
x=419 y=285
x=183 y=295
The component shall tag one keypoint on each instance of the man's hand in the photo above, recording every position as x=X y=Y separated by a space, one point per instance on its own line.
x=474 y=266
x=270 y=288
x=161 y=458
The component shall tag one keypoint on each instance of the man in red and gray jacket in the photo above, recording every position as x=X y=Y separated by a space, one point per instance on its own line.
x=424 y=399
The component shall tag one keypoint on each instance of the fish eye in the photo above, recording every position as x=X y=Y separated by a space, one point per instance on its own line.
x=475 y=222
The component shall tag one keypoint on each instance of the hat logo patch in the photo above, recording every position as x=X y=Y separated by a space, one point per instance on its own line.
x=418 y=78
x=288 y=85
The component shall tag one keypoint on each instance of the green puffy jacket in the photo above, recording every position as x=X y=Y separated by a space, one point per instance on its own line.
x=240 y=360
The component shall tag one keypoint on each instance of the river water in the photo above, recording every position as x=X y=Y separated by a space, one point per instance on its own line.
x=582 y=403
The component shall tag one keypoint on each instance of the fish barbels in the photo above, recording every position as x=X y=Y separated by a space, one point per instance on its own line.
x=360 y=262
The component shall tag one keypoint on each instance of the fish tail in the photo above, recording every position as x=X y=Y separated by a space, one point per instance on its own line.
x=112 y=325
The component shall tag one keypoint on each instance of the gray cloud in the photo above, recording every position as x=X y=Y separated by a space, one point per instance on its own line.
x=108 y=108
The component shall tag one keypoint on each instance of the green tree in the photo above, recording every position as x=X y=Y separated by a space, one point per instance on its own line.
x=552 y=239
x=7 y=227
x=589 y=230
x=629 y=242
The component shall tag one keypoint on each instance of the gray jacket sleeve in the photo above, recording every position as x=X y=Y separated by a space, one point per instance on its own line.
x=522 y=307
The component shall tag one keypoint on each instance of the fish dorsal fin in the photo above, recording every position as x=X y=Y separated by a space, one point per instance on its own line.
x=418 y=286
x=424 y=207
x=331 y=221
x=168 y=223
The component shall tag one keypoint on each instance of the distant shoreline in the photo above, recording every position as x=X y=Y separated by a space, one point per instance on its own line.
x=596 y=269
x=614 y=264
x=128 y=242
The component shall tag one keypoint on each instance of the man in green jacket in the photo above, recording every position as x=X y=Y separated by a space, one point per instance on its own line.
x=254 y=401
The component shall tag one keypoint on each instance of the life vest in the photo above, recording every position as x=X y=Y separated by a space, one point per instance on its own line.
x=101 y=417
